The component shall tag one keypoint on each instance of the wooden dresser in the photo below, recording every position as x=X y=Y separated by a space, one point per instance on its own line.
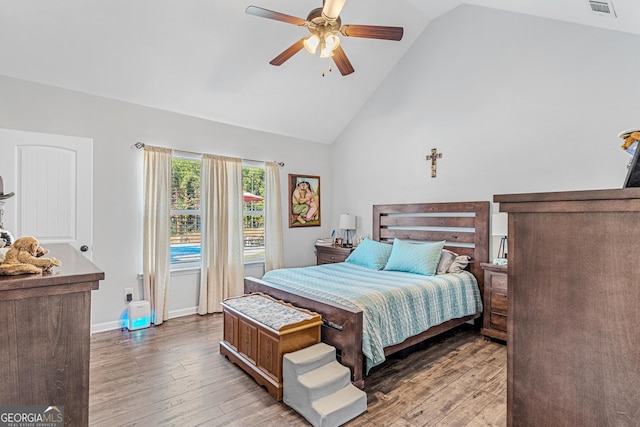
x=258 y=330
x=495 y=301
x=573 y=350
x=45 y=329
x=331 y=254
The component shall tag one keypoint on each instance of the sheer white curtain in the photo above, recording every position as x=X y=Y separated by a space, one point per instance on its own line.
x=274 y=253
x=222 y=273
x=156 y=240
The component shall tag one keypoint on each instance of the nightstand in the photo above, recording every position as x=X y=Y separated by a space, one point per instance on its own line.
x=331 y=254
x=495 y=301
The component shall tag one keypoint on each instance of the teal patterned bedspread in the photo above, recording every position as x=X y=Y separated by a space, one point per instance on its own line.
x=395 y=305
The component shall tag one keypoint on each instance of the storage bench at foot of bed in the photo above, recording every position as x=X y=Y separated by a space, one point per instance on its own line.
x=259 y=330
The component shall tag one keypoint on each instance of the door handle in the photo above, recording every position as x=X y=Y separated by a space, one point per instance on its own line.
x=84 y=248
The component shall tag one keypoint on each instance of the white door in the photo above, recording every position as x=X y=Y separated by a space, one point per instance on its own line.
x=52 y=176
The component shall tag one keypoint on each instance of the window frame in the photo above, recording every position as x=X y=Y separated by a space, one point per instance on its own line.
x=198 y=212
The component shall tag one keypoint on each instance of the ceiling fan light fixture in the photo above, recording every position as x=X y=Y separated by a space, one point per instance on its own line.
x=325 y=51
x=332 y=41
x=328 y=44
x=311 y=43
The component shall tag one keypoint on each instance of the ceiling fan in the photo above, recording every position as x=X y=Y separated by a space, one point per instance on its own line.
x=324 y=24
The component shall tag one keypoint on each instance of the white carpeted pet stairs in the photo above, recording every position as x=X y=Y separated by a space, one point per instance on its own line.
x=319 y=388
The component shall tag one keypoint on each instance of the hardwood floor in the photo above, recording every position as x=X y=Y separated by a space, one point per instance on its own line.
x=174 y=375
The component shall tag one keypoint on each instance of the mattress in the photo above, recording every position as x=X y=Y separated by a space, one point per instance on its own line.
x=395 y=305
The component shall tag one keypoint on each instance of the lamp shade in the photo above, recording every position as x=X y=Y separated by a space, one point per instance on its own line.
x=499 y=224
x=325 y=52
x=311 y=43
x=347 y=222
x=333 y=41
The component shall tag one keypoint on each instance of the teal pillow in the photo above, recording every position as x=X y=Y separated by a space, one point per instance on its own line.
x=419 y=258
x=370 y=254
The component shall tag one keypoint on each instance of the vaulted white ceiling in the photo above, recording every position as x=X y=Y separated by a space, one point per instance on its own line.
x=207 y=58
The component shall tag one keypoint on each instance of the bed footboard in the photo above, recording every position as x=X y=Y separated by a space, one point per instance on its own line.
x=342 y=325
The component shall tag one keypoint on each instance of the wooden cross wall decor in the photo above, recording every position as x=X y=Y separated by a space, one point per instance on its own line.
x=434 y=156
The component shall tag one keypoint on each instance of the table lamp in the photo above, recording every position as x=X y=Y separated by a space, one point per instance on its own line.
x=347 y=223
x=499 y=229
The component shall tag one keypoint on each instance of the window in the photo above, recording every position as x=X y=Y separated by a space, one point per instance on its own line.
x=253 y=212
x=185 y=211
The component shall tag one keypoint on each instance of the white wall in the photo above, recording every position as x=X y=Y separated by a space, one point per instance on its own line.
x=115 y=126
x=515 y=104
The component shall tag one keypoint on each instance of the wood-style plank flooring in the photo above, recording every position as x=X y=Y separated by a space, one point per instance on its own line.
x=174 y=375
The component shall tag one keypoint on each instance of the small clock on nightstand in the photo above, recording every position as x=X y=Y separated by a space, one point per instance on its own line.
x=331 y=254
x=495 y=301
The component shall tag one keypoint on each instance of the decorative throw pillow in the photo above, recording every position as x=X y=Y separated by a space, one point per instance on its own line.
x=419 y=258
x=370 y=254
x=446 y=259
x=459 y=264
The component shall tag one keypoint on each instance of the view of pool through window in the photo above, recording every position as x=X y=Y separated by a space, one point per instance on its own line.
x=181 y=254
x=190 y=253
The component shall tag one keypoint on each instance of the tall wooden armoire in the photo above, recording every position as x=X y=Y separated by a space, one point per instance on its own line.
x=573 y=352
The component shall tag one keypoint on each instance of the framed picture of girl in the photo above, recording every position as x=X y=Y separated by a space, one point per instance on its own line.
x=304 y=201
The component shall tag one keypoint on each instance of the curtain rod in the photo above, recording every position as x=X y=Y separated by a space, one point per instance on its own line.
x=140 y=146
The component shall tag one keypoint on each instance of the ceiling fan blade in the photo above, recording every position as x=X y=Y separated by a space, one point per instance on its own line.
x=342 y=62
x=288 y=53
x=265 y=13
x=373 y=32
x=331 y=9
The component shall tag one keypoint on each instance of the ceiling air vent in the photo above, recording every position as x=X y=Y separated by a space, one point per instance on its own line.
x=602 y=7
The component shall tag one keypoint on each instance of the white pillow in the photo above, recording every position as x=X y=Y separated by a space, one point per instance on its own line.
x=459 y=264
x=446 y=258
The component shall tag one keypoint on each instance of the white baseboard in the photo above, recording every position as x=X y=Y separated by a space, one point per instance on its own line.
x=103 y=327
x=119 y=324
x=183 y=312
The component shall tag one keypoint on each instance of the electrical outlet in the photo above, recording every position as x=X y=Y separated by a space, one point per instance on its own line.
x=128 y=294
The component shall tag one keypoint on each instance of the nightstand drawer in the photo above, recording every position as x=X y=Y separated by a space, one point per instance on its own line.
x=499 y=322
x=499 y=281
x=498 y=303
x=331 y=257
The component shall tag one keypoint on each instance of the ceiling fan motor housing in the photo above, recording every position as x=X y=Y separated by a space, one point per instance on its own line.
x=319 y=26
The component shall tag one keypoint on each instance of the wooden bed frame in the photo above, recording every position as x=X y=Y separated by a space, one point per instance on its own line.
x=464 y=226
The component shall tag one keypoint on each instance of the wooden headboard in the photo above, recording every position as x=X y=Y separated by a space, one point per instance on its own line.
x=463 y=225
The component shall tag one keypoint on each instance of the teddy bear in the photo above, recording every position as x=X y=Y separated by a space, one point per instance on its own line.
x=629 y=138
x=3 y=251
x=24 y=256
